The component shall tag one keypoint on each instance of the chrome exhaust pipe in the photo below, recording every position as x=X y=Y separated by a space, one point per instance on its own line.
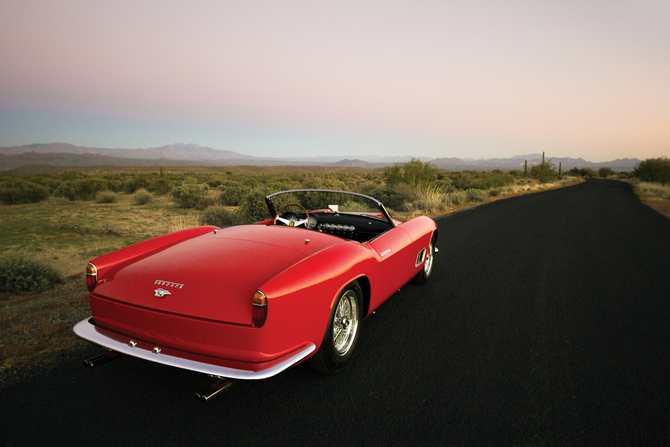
x=100 y=359
x=214 y=389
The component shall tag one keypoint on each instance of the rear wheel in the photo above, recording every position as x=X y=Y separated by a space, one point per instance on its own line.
x=342 y=332
x=427 y=268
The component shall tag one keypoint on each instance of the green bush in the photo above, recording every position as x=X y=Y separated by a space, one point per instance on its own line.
x=160 y=186
x=207 y=201
x=72 y=175
x=414 y=172
x=219 y=216
x=136 y=182
x=22 y=192
x=107 y=197
x=18 y=274
x=458 y=197
x=253 y=207
x=654 y=170
x=588 y=172
x=142 y=197
x=605 y=172
x=188 y=195
x=544 y=172
x=476 y=195
x=233 y=195
x=82 y=189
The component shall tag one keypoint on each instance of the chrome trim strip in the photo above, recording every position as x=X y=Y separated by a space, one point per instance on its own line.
x=89 y=332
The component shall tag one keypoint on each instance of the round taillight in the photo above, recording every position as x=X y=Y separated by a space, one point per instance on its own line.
x=91 y=276
x=260 y=309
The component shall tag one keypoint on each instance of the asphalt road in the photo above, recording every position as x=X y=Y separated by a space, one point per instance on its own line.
x=546 y=322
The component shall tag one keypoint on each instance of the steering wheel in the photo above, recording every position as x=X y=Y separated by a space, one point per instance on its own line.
x=290 y=223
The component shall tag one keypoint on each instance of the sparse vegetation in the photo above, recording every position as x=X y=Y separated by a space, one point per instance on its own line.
x=18 y=274
x=654 y=170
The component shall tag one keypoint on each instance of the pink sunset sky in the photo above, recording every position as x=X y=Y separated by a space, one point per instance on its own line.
x=464 y=79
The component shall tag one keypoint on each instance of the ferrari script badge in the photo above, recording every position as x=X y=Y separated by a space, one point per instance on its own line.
x=160 y=293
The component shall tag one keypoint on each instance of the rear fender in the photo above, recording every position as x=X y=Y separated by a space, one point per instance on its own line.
x=300 y=298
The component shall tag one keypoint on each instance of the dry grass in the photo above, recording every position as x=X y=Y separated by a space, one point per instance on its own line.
x=38 y=327
x=655 y=195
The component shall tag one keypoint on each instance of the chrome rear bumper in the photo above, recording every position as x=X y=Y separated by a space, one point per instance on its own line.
x=108 y=339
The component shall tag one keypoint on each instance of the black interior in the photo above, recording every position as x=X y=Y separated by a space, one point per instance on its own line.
x=360 y=228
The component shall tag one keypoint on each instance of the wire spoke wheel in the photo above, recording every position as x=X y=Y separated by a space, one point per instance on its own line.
x=342 y=332
x=345 y=324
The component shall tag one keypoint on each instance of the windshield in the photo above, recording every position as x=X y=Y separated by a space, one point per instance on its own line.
x=328 y=201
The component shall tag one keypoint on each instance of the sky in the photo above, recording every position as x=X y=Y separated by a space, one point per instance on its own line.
x=466 y=79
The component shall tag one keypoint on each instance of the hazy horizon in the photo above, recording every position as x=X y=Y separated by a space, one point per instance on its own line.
x=478 y=79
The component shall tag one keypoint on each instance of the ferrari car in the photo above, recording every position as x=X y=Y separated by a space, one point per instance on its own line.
x=249 y=301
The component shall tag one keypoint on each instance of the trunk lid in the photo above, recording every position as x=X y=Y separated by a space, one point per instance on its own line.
x=213 y=276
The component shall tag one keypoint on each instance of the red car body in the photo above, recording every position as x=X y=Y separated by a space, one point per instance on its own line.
x=186 y=299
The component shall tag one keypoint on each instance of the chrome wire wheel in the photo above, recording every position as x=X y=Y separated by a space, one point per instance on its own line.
x=345 y=323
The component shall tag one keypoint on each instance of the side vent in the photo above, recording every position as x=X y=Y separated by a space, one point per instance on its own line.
x=420 y=258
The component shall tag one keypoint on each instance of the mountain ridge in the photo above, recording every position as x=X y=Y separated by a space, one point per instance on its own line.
x=64 y=154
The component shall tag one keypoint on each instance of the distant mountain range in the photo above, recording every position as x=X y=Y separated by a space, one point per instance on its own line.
x=62 y=154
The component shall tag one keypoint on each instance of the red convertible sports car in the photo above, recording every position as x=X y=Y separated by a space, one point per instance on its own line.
x=250 y=301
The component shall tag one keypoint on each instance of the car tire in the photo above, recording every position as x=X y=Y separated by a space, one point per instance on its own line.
x=341 y=337
x=427 y=267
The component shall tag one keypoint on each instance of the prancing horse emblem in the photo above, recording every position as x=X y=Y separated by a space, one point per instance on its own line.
x=160 y=293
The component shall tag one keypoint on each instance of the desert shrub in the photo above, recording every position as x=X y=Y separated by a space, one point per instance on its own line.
x=414 y=172
x=494 y=193
x=654 y=170
x=82 y=189
x=142 y=197
x=132 y=184
x=457 y=197
x=475 y=195
x=71 y=175
x=516 y=173
x=390 y=197
x=588 y=172
x=160 y=186
x=22 y=192
x=188 y=195
x=106 y=197
x=219 y=216
x=18 y=274
x=207 y=201
x=253 y=207
x=544 y=172
x=233 y=195
x=605 y=172
x=463 y=180
x=214 y=183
